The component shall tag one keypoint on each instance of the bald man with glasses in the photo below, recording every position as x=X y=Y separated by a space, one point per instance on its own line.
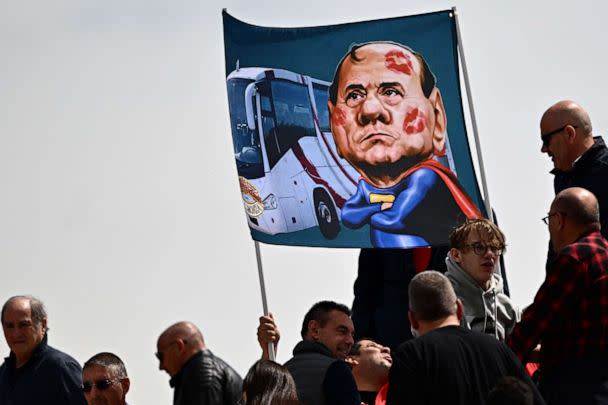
x=197 y=375
x=579 y=158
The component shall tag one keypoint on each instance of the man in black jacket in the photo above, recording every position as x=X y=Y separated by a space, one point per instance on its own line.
x=34 y=372
x=197 y=375
x=579 y=158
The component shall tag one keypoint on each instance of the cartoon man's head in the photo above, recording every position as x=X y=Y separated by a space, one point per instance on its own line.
x=386 y=113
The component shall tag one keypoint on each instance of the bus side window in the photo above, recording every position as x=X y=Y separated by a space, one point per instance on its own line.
x=270 y=140
x=321 y=97
x=293 y=113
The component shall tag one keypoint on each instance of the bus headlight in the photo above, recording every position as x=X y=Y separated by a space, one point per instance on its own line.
x=270 y=202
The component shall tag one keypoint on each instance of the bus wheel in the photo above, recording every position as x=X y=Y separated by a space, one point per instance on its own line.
x=327 y=217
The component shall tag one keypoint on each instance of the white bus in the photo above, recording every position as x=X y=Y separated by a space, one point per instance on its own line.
x=290 y=174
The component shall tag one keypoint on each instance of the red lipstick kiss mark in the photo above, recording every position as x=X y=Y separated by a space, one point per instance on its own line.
x=398 y=61
x=414 y=122
x=338 y=117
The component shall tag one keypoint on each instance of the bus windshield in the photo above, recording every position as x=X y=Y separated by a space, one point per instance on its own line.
x=246 y=142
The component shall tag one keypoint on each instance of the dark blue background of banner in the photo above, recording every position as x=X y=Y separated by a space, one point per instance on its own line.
x=315 y=51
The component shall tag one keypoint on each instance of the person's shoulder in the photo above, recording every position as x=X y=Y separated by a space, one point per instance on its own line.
x=224 y=366
x=58 y=357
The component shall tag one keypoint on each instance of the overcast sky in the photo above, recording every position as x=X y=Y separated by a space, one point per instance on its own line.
x=119 y=201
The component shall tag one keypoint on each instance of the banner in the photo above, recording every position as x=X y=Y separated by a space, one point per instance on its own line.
x=350 y=135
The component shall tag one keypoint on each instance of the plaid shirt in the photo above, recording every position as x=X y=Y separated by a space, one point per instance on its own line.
x=569 y=314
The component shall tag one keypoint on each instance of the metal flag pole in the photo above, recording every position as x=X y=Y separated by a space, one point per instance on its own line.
x=258 y=256
x=465 y=73
x=482 y=171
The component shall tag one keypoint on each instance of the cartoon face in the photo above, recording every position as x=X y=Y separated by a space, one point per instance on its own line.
x=381 y=114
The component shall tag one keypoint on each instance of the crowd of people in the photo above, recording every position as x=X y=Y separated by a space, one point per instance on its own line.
x=424 y=336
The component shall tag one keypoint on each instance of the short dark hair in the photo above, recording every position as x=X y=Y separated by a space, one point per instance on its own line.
x=38 y=312
x=432 y=296
x=511 y=391
x=484 y=227
x=320 y=313
x=427 y=78
x=355 y=349
x=108 y=360
x=269 y=383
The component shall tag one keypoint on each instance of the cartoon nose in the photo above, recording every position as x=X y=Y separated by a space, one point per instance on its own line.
x=372 y=110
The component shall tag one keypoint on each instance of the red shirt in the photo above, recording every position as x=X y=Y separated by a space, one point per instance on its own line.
x=569 y=315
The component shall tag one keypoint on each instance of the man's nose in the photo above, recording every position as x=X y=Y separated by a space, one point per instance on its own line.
x=372 y=110
x=543 y=148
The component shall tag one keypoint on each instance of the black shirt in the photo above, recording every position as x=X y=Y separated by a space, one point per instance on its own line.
x=451 y=365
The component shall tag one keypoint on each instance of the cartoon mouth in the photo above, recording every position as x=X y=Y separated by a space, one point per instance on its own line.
x=375 y=136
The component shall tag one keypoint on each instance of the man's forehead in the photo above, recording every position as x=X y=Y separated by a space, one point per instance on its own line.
x=394 y=60
x=339 y=318
x=483 y=237
x=97 y=371
x=18 y=309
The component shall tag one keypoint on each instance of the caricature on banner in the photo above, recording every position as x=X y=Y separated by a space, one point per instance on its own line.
x=363 y=160
x=389 y=123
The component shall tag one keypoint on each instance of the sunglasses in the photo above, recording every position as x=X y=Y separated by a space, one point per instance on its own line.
x=546 y=138
x=101 y=385
x=160 y=355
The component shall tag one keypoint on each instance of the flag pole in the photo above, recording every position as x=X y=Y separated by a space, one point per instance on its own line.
x=467 y=84
x=482 y=171
x=258 y=256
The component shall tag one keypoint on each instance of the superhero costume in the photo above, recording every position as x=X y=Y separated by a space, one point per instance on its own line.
x=427 y=204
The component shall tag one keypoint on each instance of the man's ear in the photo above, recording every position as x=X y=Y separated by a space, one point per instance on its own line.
x=313 y=329
x=455 y=253
x=413 y=320
x=441 y=122
x=43 y=325
x=459 y=309
x=126 y=384
x=571 y=134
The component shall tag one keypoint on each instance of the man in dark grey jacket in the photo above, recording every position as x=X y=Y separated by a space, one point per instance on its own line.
x=317 y=366
x=197 y=375
x=34 y=372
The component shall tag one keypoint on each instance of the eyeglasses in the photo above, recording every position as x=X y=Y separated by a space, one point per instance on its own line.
x=546 y=219
x=480 y=249
x=160 y=355
x=101 y=385
x=546 y=138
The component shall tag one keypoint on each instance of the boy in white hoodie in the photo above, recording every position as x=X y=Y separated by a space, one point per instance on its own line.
x=475 y=249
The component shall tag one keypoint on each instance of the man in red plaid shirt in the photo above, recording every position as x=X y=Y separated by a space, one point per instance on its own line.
x=569 y=315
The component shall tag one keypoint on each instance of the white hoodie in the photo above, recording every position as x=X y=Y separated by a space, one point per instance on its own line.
x=483 y=308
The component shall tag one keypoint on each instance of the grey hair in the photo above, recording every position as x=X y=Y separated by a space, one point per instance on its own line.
x=37 y=308
x=432 y=296
x=110 y=361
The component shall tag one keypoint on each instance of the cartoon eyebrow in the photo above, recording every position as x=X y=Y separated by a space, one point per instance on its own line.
x=351 y=87
x=390 y=84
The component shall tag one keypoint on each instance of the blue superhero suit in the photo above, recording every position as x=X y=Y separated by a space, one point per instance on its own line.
x=427 y=204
